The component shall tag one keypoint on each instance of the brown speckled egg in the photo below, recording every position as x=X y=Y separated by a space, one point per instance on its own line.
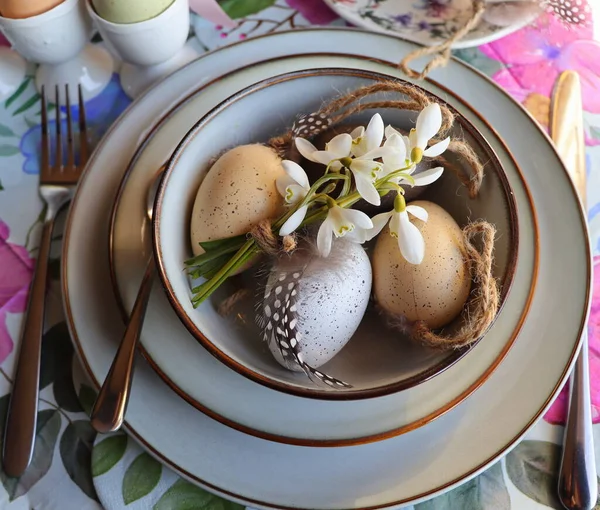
x=237 y=192
x=434 y=291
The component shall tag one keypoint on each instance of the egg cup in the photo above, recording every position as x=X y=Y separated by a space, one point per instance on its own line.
x=12 y=72
x=150 y=49
x=58 y=40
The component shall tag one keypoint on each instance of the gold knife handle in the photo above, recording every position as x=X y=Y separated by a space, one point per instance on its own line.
x=577 y=484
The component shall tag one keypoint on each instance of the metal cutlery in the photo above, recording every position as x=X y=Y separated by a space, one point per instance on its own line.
x=110 y=406
x=57 y=181
x=577 y=485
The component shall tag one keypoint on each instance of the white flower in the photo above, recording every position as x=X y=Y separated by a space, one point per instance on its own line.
x=338 y=154
x=429 y=122
x=410 y=239
x=366 y=140
x=294 y=185
x=342 y=222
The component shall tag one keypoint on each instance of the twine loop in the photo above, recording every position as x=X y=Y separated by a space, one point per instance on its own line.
x=268 y=242
x=482 y=307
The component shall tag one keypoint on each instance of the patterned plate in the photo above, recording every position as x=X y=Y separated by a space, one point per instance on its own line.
x=430 y=22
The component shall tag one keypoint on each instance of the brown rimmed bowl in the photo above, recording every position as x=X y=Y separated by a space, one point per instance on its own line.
x=375 y=361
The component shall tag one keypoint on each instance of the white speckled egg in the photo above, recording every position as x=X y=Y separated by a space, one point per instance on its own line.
x=238 y=191
x=434 y=291
x=318 y=302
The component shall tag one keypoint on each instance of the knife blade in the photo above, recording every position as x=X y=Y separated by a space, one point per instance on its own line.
x=577 y=483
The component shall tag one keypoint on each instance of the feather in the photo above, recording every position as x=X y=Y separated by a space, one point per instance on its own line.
x=277 y=315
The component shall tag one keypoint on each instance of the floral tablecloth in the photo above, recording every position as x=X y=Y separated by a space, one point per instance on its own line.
x=75 y=469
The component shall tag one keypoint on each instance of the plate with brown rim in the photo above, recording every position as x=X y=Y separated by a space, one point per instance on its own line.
x=187 y=368
x=402 y=470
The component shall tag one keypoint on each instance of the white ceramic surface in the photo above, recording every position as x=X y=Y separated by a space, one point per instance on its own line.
x=431 y=22
x=12 y=72
x=192 y=371
x=150 y=49
x=238 y=343
x=56 y=39
x=392 y=473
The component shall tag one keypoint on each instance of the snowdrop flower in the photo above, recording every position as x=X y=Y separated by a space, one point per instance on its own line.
x=366 y=140
x=294 y=185
x=429 y=122
x=338 y=154
x=342 y=222
x=397 y=160
x=410 y=239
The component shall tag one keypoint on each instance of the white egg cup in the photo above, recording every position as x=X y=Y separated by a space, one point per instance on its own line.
x=57 y=40
x=150 y=49
x=12 y=72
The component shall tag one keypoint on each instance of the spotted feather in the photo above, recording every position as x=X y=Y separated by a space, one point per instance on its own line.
x=279 y=322
x=310 y=125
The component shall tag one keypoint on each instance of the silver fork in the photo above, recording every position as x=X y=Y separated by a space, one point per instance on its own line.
x=56 y=185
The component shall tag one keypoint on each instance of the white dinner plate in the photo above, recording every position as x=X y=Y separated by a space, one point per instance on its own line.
x=407 y=468
x=202 y=380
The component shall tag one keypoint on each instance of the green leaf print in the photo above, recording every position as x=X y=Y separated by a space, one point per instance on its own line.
x=17 y=93
x=533 y=468
x=27 y=104
x=595 y=133
x=108 y=453
x=57 y=353
x=141 y=478
x=480 y=60
x=87 y=397
x=6 y=131
x=488 y=490
x=241 y=8
x=48 y=427
x=76 y=453
x=8 y=150
x=183 y=495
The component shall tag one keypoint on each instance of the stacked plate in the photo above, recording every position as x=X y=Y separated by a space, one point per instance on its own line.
x=277 y=449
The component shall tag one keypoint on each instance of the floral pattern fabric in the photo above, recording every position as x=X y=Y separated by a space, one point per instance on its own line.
x=75 y=469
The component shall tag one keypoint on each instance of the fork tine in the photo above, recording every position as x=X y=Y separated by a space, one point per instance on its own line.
x=58 y=160
x=83 y=141
x=45 y=138
x=70 y=146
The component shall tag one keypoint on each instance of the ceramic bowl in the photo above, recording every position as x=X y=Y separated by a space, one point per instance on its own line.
x=375 y=361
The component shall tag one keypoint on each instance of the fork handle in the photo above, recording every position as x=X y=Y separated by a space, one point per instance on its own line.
x=22 y=411
x=110 y=406
x=578 y=485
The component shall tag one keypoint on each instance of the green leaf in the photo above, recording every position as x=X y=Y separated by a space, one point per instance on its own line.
x=17 y=93
x=488 y=490
x=87 y=397
x=8 y=150
x=27 y=104
x=241 y=8
x=76 y=453
x=108 y=453
x=141 y=478
x=57 y=354
x=6 y=131
x=533 y=468
x=30 y=123
x=183 y=495
x=595 y=133
x=48 y=427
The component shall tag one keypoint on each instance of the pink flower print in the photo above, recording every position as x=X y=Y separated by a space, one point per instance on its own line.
x=16 y=269
x=315 y=11
x=3 y=40
x=537 y=54
x=557 y=413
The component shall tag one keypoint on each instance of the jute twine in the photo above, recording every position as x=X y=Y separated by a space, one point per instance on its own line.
x=442 y=52
x=350 y=103
x=482 y=307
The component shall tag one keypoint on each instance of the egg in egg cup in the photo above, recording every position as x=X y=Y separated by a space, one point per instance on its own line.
x=57 y=39
x=150 y=49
